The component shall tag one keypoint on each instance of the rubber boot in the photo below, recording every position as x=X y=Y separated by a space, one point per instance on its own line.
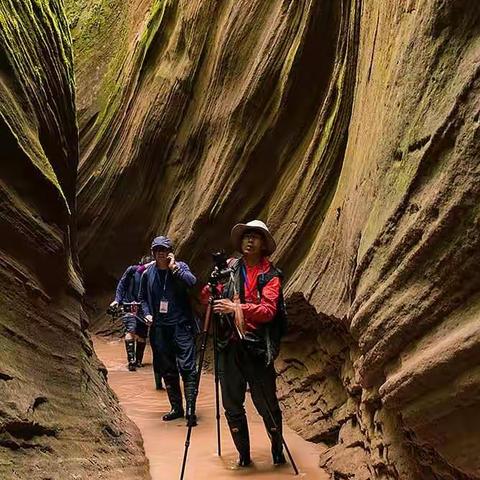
x=130 y=347
x=172 y=385
x=139 y=353
x=158 y=381
x=241 y=439
x=274 y=431
x=190 y=385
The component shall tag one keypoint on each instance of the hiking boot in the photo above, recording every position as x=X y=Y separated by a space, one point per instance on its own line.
x=158 y=381
x=139 y=353
x=173 y=415
x=277 y=449
x=244 y=460
x=278 y=458
x=172 y=385
x=190 y=387
x=241 y=439
x=274 y=430
x=191 y=420
x=130 y=348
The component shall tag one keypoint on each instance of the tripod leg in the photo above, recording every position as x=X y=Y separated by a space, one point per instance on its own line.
x=217 y=396
x=201 y=359
x=278 y=429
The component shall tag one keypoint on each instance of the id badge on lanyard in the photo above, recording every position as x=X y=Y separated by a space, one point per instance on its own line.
x=163 y=306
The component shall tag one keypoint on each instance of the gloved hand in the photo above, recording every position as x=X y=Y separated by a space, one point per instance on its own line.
x=114 y=304
x=148 y=319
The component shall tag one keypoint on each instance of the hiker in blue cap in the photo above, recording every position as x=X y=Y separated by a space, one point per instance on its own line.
x=165 y=302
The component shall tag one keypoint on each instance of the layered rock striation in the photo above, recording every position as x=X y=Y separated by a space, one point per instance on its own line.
x=352 y=128
x=58 y=419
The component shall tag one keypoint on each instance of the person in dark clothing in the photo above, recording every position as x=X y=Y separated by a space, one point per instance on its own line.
x=165 y=301
x=136 y=330
x=247 y=346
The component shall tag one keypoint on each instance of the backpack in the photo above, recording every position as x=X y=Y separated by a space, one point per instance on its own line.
x=278 y=327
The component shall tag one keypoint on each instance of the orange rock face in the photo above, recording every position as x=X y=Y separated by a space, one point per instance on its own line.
x=351 y=128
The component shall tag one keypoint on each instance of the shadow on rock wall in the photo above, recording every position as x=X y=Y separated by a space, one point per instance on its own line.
x=352 y=128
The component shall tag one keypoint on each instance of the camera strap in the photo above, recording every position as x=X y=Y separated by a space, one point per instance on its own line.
x=233 y=264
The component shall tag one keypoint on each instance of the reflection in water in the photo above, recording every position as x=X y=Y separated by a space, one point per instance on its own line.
x=164 y=441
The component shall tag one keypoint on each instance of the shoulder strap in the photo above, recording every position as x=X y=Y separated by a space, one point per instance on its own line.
x=264 y=278
x=130 y=271
x=150 y=274
x=234 y=285
x=233 y=263
x=130 y=287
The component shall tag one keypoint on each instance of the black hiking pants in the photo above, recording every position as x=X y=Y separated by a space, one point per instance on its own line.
x=236 y=367
x=174 y=352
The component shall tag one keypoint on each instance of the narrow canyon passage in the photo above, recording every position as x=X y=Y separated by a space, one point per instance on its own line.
x=351 y=128
x=164 y=442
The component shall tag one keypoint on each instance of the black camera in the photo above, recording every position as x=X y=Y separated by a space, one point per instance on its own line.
x=123 y=308
x=131 y=307
x=221 y=271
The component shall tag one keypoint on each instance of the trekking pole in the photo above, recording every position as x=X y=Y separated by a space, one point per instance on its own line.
x=292 y=461
x=217 y=396
x=203 y=345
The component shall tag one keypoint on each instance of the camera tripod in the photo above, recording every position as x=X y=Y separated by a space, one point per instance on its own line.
x=203 y=346
x=208 y=319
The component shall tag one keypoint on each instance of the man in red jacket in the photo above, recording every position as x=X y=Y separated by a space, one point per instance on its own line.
x=247 y=344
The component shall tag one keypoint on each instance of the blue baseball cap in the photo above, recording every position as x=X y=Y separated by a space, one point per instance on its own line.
x=162 y=241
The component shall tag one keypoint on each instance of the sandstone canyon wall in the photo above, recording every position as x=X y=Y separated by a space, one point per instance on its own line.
x=58 y=419
x=351 y=127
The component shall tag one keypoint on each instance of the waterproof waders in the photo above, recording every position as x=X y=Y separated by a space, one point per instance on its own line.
x=189 y=383
x=139 y=353
x=130 y=348
x=241 y=439
x=172 y=385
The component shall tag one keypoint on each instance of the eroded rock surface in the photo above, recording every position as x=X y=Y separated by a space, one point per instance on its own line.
x=58 y=419
x=352 y=128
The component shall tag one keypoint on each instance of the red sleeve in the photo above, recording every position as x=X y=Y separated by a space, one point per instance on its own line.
x=264 y=311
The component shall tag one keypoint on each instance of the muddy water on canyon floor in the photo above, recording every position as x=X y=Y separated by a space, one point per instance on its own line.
x=164 y=441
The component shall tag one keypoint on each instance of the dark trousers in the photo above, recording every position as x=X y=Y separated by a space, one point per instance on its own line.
x=133 y=325
x=236 y=367
x=155 y=359
x=173 y=348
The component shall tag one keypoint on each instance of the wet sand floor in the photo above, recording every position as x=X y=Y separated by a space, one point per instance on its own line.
x=164 y=441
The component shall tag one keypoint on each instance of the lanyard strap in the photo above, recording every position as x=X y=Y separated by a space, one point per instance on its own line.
x=164 y=283
x=245 y=276
x=246 y=282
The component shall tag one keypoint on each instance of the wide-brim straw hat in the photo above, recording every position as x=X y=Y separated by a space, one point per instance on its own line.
x=240 y=228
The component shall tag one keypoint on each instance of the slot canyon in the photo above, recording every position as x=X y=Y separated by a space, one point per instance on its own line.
x=351 y=127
